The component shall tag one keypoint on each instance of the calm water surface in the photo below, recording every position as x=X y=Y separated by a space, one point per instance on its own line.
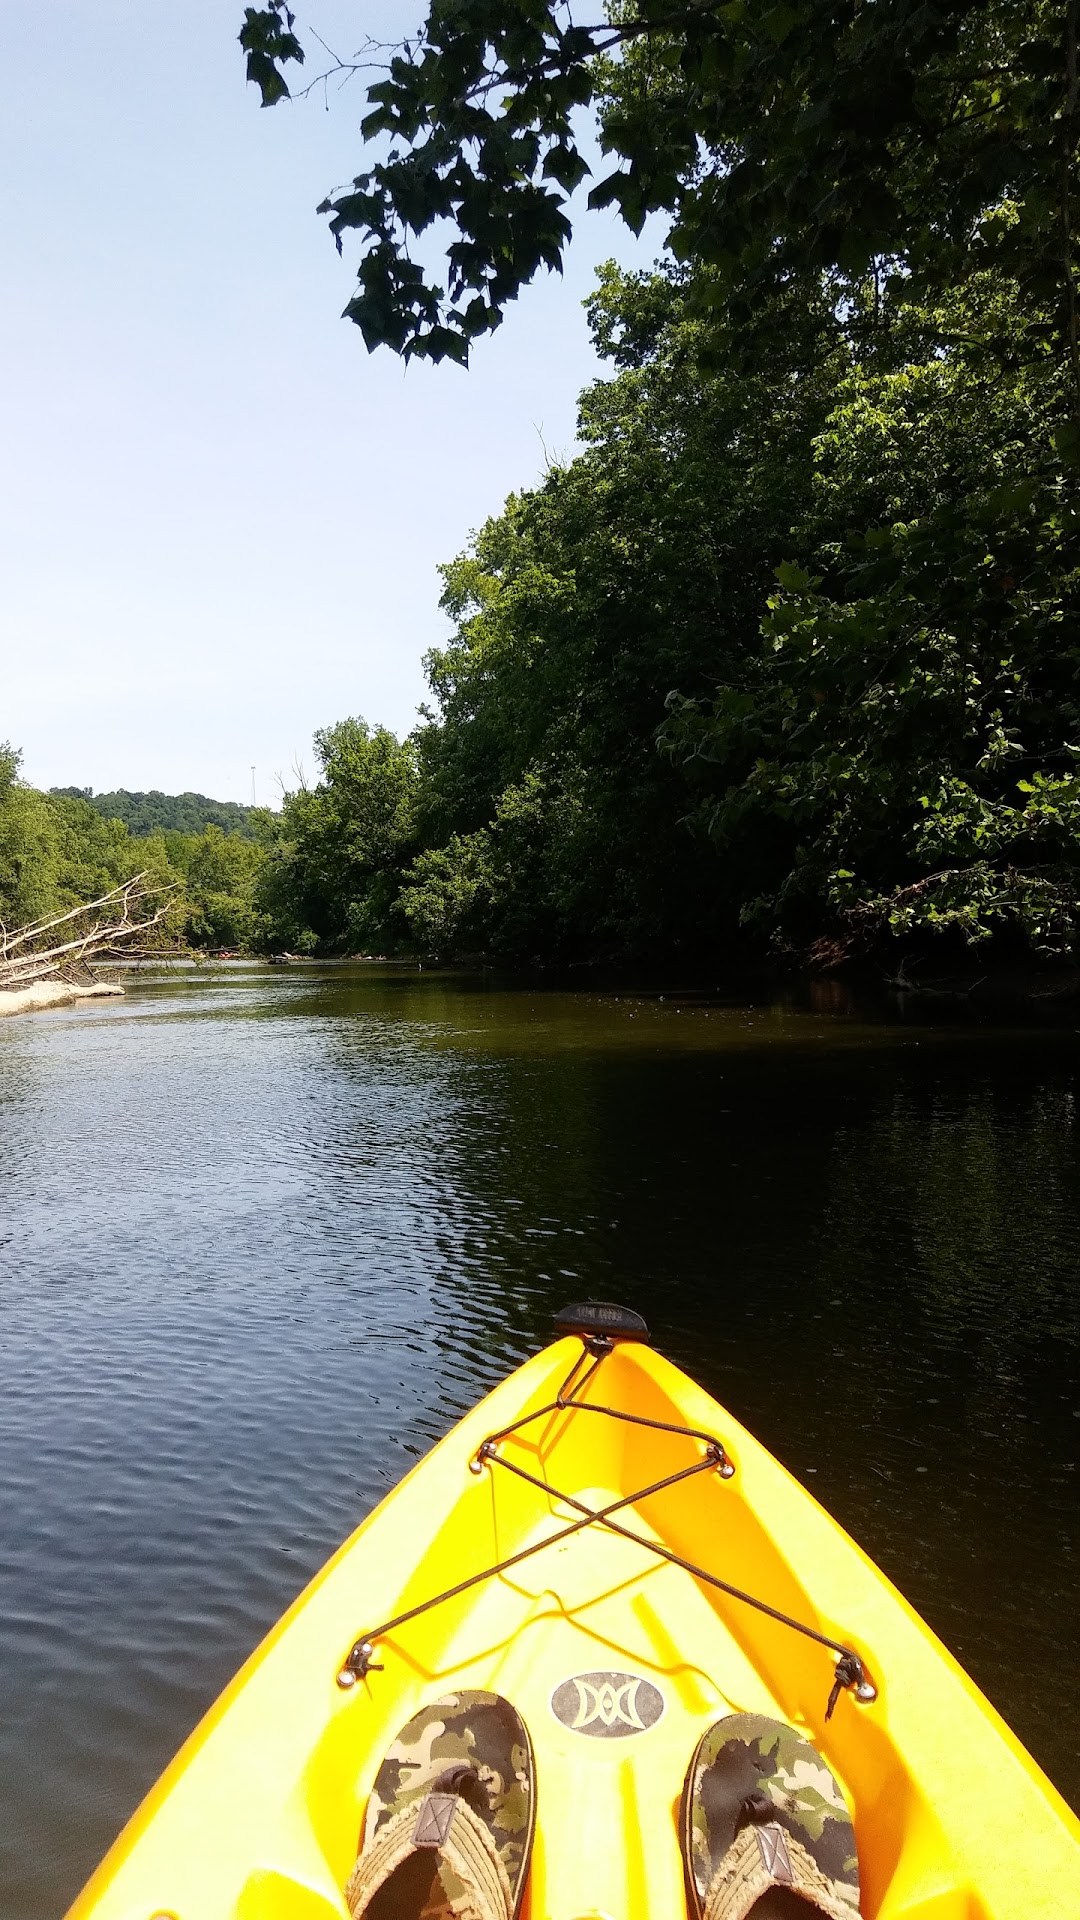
x=264 y=1234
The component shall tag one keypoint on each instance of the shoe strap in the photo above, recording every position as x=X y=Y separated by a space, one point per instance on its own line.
x=447 y=1827
x=764 y=1856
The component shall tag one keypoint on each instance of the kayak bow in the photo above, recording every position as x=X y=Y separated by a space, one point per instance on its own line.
x=604 y=1546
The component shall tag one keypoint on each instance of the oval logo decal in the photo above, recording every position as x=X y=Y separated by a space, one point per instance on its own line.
x=607 y=1706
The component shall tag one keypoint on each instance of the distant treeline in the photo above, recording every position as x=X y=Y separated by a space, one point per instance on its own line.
x=154 y=812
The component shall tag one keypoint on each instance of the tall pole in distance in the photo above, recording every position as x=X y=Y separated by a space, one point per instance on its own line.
x=253 y=786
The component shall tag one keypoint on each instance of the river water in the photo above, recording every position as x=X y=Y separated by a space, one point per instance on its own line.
x=265 y=1233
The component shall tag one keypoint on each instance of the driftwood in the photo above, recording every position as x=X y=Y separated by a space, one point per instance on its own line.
x=61 y=945
x=954 y=989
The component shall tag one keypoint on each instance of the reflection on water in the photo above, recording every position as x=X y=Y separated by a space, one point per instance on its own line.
x=264 y=1234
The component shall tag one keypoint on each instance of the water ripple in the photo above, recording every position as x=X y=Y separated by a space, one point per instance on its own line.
x=264 y=1235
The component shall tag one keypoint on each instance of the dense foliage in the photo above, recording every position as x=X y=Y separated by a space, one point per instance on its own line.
x=787 y=651
x=836 y=586
x=783 y=141
x=787 y=654
x=59 y=849
x=790 y=647
x=334 y=871
x=156 y=812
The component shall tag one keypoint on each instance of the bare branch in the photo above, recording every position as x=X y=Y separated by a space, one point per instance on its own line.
x=130 y=891
x=696 y=12
x=98 y=926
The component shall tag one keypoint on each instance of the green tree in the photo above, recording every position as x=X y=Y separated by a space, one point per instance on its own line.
x=900 y=748
x=786 y=142
x=221 y=873
x=447 y=895
x=790 y=644
x=29 y=847
x=57 y=852
x=95 y=854
x=334 y=873
x=641 y=566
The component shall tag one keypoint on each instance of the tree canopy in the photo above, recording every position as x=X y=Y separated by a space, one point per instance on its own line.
x=785 y=656
x=917 y=141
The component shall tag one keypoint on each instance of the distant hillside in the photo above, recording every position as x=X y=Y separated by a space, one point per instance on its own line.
x=146 y=812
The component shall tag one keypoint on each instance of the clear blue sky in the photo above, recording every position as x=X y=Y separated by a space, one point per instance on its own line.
x=220 y=520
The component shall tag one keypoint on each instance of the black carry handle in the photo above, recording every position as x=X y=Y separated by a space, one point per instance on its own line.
x=591 y=1317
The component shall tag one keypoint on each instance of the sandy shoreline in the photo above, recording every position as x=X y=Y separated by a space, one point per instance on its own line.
x=51 y=993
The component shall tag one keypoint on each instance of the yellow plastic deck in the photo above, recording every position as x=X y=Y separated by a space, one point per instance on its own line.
x=258 y=1816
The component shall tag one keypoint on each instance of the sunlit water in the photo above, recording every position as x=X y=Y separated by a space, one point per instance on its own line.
x=265 y=1233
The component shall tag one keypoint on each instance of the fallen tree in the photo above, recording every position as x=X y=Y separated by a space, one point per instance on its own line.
x=62 y=945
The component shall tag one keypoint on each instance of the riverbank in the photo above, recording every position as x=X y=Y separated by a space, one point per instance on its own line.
x=53 y=993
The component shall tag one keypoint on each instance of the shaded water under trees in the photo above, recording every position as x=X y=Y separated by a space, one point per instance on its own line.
x=263 y=1235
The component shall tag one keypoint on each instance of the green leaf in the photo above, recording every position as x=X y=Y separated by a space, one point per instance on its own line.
x=793 y=578
x=565 y=165
x=267 y=37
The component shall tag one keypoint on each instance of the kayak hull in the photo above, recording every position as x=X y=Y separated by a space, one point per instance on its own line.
x=617 y=1659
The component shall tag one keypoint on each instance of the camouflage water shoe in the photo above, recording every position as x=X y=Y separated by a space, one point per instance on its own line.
x=765 y=1830
x=449 y=1824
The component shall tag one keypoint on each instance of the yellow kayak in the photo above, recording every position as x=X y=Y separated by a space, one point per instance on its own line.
x=602 y=1545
